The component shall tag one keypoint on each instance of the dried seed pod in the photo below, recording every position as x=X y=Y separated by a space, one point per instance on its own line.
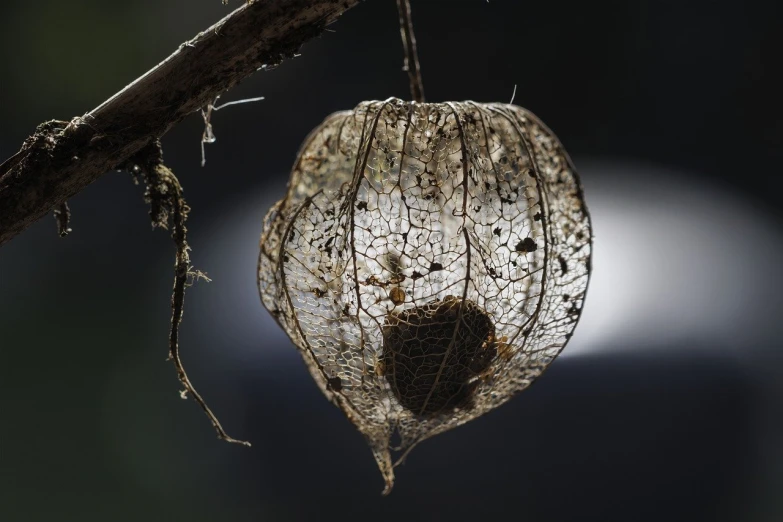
x=429 y=261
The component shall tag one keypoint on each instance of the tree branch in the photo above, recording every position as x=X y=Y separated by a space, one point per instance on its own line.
x=62 y=158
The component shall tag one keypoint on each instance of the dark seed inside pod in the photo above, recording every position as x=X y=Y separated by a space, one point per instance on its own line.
x=433 y=353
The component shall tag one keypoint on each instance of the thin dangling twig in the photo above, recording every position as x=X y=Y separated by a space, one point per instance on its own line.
x=168 y=209
x=63 y=216
x=411 y=63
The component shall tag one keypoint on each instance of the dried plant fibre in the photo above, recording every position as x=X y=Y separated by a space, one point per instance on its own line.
x=429 y=261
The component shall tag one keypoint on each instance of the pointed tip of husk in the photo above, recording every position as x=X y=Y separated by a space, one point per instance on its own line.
x=383 y=459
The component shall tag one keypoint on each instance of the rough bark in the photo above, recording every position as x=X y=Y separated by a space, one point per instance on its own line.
x=62 y=158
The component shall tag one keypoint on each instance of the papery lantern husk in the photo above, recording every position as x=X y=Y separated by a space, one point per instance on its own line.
x=429 y=261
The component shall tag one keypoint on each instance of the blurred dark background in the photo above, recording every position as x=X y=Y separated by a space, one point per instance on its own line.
x=665 y=406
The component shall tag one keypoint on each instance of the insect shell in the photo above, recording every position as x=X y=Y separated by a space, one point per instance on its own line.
x=429 y=261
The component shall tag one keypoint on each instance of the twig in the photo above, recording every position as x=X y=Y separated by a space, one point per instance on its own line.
x=168 y=207
x=208 y=136
x=62 y=158
x=63 y=216
x=237 y=102
x=411 y=63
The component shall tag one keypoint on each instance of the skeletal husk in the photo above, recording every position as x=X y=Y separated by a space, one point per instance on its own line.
x=429 y=261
